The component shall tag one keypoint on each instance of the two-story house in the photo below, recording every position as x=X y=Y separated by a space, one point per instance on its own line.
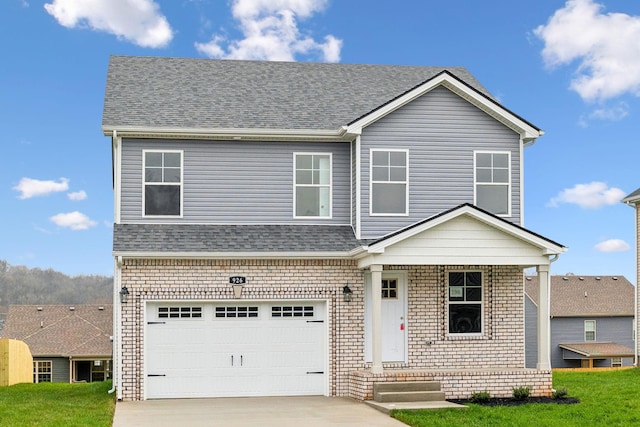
x=312 y=229
x=633 y=200
x=592 y=321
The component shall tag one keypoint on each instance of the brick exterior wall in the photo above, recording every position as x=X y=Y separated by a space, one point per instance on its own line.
x=492 y=361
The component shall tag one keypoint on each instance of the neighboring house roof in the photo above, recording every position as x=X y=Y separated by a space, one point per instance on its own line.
x=174 y=94
x=189 y=238
x=62 y=330
x=595 y=350
x=586 y=296
x=633 y=197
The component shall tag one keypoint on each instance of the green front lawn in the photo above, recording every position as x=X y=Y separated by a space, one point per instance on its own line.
x=607 y=398
x=57 y=404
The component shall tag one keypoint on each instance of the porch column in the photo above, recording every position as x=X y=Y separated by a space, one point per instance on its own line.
x=376 y=318
x=544 y=319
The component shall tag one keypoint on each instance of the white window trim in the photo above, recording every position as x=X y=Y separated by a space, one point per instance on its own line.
x=371 y=182
x=181 y=184
x=482 y=325
x=36 y=370
x=618 y=363
x=295 y=185
x=594 y=331
x=508 y=184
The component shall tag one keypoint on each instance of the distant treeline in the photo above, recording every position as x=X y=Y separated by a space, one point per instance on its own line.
x=23 y=285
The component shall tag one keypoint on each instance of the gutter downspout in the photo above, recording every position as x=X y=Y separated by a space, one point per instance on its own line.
x=117 y=330
x=634 y=205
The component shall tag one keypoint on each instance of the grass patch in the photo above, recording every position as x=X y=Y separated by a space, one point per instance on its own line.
x=610 y=398
x=57 y=404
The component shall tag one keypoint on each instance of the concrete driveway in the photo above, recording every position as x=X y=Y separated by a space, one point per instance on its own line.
x=311 y=411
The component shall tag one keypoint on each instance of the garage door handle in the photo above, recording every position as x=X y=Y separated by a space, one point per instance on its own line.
x=156 y=323
x=156 y=375
x=315 y=321
x=315 y=372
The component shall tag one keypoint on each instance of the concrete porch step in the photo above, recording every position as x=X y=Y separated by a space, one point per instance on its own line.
x=408 y=396
x=407 y=386
x=387 y=407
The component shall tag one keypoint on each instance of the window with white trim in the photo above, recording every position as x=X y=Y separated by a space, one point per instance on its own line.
x=493 y=182
x=312 y=195
x=616 y=362
x=465 y=302
x=589 y=330
x=162 y=183
x=42 y=371
x=389 y=182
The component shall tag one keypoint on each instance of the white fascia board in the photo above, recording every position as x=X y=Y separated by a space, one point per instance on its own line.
x=338 y=135
x=548 y=247
x=527 y=131
x=241 y=255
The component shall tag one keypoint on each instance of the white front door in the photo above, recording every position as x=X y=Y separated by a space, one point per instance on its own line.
x=394 y=316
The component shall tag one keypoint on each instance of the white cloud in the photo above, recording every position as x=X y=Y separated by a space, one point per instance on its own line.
x=77 y=195
x=612 y=245
x=73 y=220
x=29 y=187
x=137 y=21
x=614 y=114
x=589 y=196
x=604 y=46
x=271 y=32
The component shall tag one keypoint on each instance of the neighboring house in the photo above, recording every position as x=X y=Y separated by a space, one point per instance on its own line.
x=69 y=343
x=633 y=200
x=591 y=321
x=302 y=228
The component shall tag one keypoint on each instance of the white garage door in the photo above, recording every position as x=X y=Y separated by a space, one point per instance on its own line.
x=235 y=349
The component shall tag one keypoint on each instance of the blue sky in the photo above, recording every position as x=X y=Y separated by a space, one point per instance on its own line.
x=570 y=67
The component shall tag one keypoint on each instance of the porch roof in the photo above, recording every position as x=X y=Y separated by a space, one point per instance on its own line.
x=597 y=350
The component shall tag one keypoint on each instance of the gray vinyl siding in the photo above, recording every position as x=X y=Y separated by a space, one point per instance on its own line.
x=59 y=368
x=441 y=131
x=530 y=333
x=233 y=182
x=571 y=330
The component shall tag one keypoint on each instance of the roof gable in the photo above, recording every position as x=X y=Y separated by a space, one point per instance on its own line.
x=633 y=197
x=448 y=80
x=464 y=235
x=62 y=330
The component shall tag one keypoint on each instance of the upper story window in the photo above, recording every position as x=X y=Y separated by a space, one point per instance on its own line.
x=389 y=182
x=312 y=197
x=589 y=330
x=162 y=183
x=493 y=182
x=465 y=302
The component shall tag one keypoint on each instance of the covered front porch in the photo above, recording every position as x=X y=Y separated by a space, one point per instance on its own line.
x=464 y=320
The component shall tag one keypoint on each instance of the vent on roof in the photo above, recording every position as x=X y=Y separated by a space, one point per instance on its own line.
x=597 y=278
x=565 y=278
x=528 y=278
x=581 y=278
x=614 y=278
x=39 y=308
x=72 y=308
x=101 y=308
x=585 y=294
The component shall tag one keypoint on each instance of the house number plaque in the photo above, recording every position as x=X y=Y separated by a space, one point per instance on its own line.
x=237 y=280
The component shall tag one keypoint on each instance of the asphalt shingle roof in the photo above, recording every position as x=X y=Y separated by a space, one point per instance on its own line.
x=585 y=296
x=170 y=93
x=633 y=196
x=59 y=330
x=232 y=238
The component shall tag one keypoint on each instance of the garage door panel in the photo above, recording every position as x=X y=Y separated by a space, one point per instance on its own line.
x=222 y=355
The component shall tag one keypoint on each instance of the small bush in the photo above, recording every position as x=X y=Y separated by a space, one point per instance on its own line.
x=560 y=393
x=521 y=393
x=480 y=397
